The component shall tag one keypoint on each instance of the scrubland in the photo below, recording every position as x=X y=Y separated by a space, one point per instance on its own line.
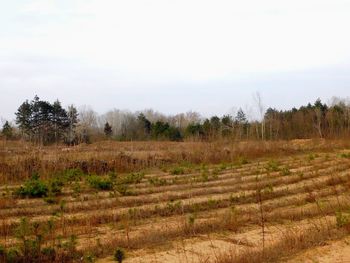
x=285 y=201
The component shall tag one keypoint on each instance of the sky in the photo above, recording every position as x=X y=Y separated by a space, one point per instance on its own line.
x=173 y=56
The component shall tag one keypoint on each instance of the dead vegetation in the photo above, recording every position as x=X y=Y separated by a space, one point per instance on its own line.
x=209 y=201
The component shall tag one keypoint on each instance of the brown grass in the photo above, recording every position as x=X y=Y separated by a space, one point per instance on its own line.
x=216 y=195
x=18 y=160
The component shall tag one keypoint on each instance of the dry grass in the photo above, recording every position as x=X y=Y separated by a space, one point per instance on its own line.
x=18 y=160
x=189 y=190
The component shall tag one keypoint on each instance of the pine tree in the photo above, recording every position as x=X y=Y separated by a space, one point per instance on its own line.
x=241 y=121
x=7 y=130
x=42 y=121
x=59 y=120
x=145 y=125
x=108 y=129
x=23 y=118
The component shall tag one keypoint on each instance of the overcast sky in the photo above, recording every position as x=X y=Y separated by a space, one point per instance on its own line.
x=173 y=56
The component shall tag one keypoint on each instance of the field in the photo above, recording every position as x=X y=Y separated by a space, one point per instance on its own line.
x=175 y=202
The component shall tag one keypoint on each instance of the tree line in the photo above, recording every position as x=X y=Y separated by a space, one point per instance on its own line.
x=310 y=121
x=43 y=122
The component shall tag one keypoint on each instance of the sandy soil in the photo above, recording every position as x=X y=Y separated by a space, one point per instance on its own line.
x=329 y=252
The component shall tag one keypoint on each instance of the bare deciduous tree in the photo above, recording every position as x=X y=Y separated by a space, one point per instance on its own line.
x=261 y=109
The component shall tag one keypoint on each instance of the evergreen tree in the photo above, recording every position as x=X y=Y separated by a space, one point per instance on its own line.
x=215 y=124
x=160 y=129
x=108 y=130
x=227 y=125
x=241 y=121
x=207 y=128
x=240 y=117
x=194 y=129
x=7 y=130
x=145 y=125
x=41 y=121
x=59 y=120
x=23 y=118
x=227 y=121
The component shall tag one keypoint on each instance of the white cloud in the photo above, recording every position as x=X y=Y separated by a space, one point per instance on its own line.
x=165 y=44
x=39 y=7
x=191 y=39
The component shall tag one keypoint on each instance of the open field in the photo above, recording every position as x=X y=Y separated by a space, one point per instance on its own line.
x=175 y=202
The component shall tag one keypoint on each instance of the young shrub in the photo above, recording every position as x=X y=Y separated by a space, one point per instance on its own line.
x=177 y=171
x=76 y=189
x=215 y=176
x=272 y=166
x=342 y=220
x=30 y=237
x=73 y=175
x=189 y=226
x=191 y=219
x=204 y=177
x=100 y=183
x=242 y=160
x=70 y=248
x=112 y=176
x=123 y=189
x=51 y=200
x=55 y=186
x=119 y=255
x=345 y=155
x=172 y=207
x=268 y=189
x=212 y=203
x=89 y=258
x=13 y=255
x=133 y=178
x=48 y=254
x=34 y=187
x=233 y=199
x=223 y=166
x=311 y=157
x=285 y=171
x=157 y=181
